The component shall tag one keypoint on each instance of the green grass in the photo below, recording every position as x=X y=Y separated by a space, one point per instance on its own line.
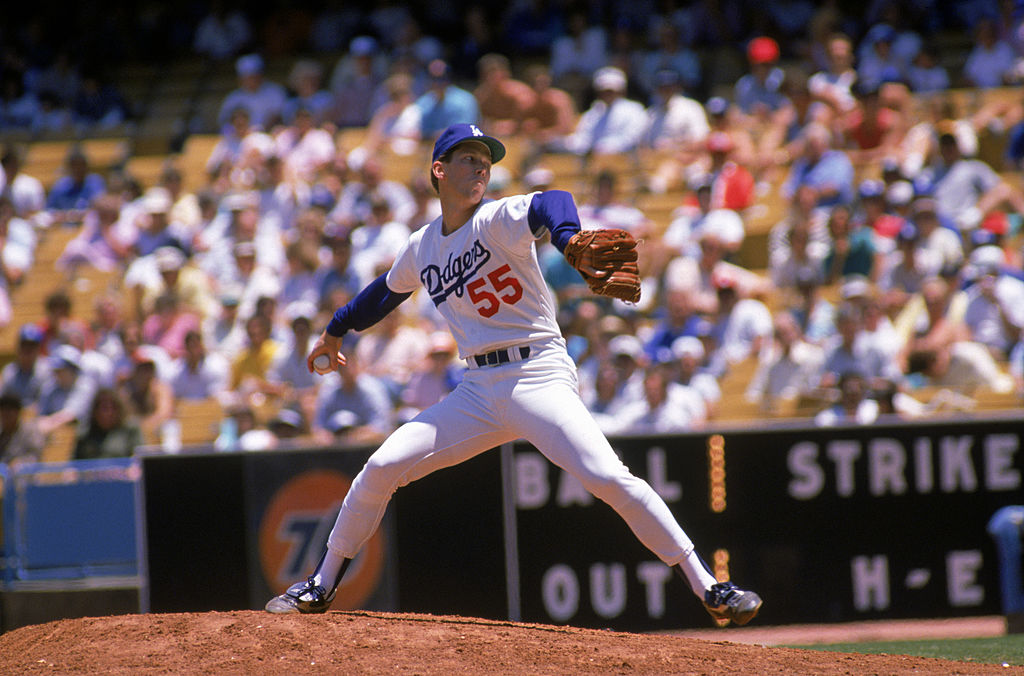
x=995 y=650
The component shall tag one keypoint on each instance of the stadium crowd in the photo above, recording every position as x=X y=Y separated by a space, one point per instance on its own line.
x=894 y=282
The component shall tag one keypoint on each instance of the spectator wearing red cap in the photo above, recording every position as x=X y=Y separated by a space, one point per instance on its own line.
x=759 y=92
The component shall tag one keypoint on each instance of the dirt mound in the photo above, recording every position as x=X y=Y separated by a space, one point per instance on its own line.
x=251 y=642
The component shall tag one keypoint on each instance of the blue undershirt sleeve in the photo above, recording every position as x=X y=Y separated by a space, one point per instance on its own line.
x=369 y=306
x=556 y=211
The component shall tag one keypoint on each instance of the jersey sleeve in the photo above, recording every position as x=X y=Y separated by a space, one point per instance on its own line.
x=403 y=276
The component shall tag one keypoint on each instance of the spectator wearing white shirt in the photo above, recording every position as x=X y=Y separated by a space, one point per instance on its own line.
x=834 y=84
x=578 y=53
x=355 y=202
x=25 y=192
x=304 y=147
x=688 y=356
x=995 y=302
x=377 y=241
x=790 y=368
x=664 y=408
x=853 y=407
x=742 y=328
x=613 y=124
x=848 y=352
x=15 y=260
x=675 y=122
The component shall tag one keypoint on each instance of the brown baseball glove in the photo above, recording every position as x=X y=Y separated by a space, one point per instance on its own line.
x=607 y=261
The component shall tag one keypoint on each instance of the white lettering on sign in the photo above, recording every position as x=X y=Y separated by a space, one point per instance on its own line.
x=962 y=578
x=954 y=464
x=571 y=492
x=657 y=476
x=654 y=575
x=532 y=487
x=608 y=590
x=870 y=582
x=560 y=591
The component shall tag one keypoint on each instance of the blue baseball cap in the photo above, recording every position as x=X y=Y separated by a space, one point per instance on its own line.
x=457 y=133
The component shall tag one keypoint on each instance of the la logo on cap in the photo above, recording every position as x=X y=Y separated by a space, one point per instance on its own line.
x=476 y=131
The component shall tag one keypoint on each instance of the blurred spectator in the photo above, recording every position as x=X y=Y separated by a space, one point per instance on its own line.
x=74 y=191
x=942 y=244
x=20 y=439
x=67 y=394
x=433 y=379
x=799 y=240
x=991 y=59
x=675 y=121
x=834 y=84
x=168 y=324
x=18 y=106
x=742 y=326
x=250 y=368
x=759 y=93
x=263 y=99
x=58 y=320
x=148 y=397
x=27 y=375
x=356 y=83
x=301 y=283
x=98 y=104
x=603 y=209
x=789 y=369
x=732 y=185
x=503 y=100
x=15 y=258
x=613 y=124
x=873 y=131
x=339 y=277
x=879 y=62
x=103 y=243
x=908 y=265
x=303 y=148
x=306 y=92
x=225 y=333
x=848 y=351
x=352 y=407
x=577 y=53
x=853 y=250
x=239 y=140
x=355 y=203
x=822 y=167
x=108 y=432
x=685 y=368
x=531 y=27
x=444 y=103
x=925 y=75
x=853 y=407
x=289 y=371
x=995 y=302
x=222 y=33
x=176 y=273
x=198 y=374
x=966 y=190
x=552 y=113
x=670 y=53
x=814 y=314
x=25 y=192
x=106 y=325
x=665 y=407
x=392 y=351
x=377 y=240
x=395 y=125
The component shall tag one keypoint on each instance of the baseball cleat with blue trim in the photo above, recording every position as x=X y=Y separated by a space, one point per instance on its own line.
x=726 y=601
x=302 y=597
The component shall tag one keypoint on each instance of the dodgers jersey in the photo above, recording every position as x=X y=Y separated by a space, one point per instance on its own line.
x=483 y=278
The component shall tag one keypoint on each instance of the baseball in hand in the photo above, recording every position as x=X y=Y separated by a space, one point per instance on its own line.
x=322 y=364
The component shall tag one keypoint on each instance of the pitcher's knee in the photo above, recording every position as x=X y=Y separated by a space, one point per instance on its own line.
x=615 y=489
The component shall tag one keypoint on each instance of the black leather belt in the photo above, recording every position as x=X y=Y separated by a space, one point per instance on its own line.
x=502 y=356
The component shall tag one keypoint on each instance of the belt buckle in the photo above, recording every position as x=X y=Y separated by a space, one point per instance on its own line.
x=492 y=358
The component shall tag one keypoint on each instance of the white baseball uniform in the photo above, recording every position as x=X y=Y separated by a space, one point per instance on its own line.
x=485 y=280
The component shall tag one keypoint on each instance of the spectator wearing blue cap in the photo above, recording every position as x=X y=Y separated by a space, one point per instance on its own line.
x=669 y=52
x=444 y=103
x=25 y=376
x=878 y=62
x=263 y=99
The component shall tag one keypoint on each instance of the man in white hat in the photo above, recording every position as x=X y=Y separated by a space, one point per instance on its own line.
x=613 y=124
x=995 y=302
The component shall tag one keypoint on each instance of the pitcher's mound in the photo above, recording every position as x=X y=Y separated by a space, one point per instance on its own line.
x=253 y=642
